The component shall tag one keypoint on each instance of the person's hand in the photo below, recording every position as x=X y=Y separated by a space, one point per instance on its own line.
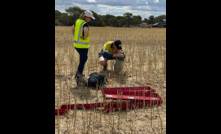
x=121 y=56
x=82 y=37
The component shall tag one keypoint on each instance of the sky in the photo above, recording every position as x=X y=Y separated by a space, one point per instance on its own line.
x=144 y=8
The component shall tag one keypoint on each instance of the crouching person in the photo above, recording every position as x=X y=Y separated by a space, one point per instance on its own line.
x=112 y=50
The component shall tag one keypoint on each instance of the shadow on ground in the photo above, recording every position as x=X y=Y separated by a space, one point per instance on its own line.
x=85 y=93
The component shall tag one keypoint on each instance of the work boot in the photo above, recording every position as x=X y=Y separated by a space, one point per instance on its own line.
x=79 y=76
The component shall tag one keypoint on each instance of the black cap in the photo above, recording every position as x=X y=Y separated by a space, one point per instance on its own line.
x=117 y=43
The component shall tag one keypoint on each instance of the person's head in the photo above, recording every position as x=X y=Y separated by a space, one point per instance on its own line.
x=117 y=45
x=87 y=16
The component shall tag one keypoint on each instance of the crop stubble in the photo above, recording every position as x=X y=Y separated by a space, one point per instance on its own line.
x=145 y=65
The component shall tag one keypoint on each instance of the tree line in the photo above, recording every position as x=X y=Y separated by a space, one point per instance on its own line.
x=127 y=20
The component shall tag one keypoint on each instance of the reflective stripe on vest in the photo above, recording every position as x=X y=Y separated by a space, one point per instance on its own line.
x=78 y=38
x=79 y=42
x=83 y=43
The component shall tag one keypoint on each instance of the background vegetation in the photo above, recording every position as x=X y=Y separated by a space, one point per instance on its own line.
x=126 y=20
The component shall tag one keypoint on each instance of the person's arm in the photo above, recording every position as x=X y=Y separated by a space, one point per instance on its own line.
x=72 y=29
x=85 y=33
x=118 y=54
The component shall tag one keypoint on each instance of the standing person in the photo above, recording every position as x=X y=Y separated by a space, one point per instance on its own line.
x=81 y=33
x=112 y=50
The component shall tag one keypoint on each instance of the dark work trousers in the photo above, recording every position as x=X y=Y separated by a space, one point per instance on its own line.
x=83 y=58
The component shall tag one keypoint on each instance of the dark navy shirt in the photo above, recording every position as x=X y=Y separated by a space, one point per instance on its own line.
x=85 y=25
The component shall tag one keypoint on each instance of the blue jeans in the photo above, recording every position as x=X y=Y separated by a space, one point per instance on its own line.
x=83 y=58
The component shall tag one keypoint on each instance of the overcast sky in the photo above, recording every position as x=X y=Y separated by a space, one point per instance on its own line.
x=144 y=8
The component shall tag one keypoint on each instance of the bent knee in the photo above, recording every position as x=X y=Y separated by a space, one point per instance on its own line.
x=102 y=61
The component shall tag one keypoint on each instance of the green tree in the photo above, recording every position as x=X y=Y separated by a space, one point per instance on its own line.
x=146 y=20
x=57 y=14
x=128 y=17
x=56 y=22
x=98 y=20
x=108 y=20
x=57 y=17
x=160 y=18
x=121 y=21
x=136 y=20
x=113 y=22
x=151 y=19
x=74 y=13
x=64 y=19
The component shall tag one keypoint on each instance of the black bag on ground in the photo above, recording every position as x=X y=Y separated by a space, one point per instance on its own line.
x=94 y=79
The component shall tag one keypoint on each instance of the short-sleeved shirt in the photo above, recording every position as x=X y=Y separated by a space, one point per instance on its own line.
x=85 y=25
x=108 y=47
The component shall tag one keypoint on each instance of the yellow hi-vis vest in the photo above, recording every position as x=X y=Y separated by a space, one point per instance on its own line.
x=78 y=32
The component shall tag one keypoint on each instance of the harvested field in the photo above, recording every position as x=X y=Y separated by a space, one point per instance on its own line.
x=145 y=65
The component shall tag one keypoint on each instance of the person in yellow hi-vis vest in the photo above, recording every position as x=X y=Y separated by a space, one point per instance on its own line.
x=81 y=33
x=112 y=50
